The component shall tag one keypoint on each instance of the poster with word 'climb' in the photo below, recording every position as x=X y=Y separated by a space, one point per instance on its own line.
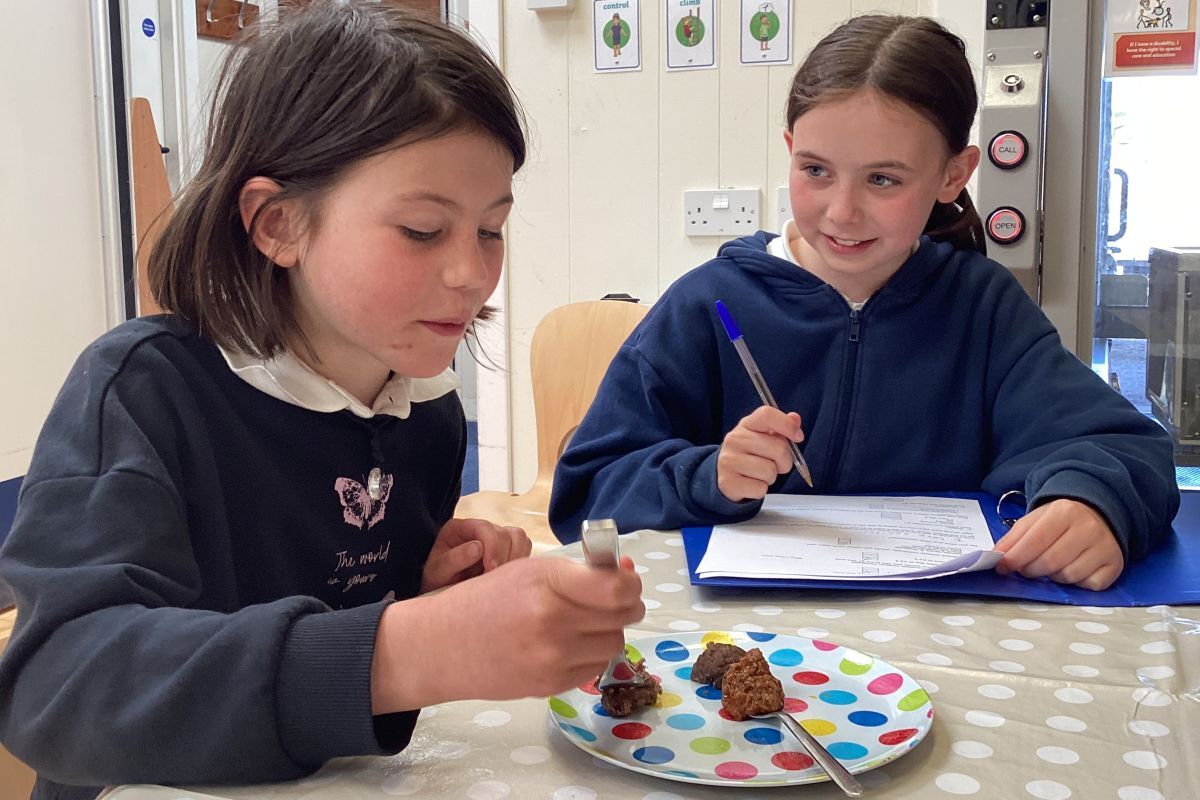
x=691 y=34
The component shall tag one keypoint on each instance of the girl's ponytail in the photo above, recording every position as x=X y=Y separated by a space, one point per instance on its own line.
x=957 y=223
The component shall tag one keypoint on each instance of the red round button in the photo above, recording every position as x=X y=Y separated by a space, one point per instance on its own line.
x=1005 y=225
x=1008 y=149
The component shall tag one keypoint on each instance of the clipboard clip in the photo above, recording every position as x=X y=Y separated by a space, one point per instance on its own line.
x=1009 y=521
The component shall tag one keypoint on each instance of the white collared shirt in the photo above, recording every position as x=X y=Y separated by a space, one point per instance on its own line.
x=287 y=378
x=780 y=248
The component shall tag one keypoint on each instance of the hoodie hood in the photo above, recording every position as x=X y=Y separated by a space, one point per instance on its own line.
x=750 y=254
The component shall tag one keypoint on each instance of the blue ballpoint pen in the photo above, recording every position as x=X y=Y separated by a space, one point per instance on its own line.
x=739 y=344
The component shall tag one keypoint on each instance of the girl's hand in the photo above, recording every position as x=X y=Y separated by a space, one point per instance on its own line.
x=532 y=627
x=756 y=453
x=1065 y=539
x=465 y=548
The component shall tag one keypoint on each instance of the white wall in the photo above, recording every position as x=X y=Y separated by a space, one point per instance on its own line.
x=599 y=204
x=51 y=263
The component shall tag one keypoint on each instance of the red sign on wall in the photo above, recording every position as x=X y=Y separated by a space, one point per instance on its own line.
x=1155 y=50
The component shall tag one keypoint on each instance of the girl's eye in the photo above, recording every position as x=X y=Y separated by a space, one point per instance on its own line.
x=814 y=171
x=486 y=234
x=419 y=236
x=883 y=181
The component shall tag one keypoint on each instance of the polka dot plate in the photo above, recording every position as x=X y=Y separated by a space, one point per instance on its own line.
x=863 y=710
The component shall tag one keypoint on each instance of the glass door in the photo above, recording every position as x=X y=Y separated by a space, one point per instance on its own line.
x=1146 y=336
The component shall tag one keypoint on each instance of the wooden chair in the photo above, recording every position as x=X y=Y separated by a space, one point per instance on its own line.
x=152 y=202
x=570 y=353
x=16 y=779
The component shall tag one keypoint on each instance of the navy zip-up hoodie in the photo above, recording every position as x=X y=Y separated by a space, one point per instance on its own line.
x=949 y=379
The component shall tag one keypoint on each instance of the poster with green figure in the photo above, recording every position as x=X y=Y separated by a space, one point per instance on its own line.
x=616 y=36
x=766 y=32
x=691 y=34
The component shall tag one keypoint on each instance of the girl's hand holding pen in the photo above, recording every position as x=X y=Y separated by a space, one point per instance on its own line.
x=465 y=548
x=756 y=452
x=531 y=627
x=1066 y=540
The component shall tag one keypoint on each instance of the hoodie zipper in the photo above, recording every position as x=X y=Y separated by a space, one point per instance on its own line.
x=847 y=393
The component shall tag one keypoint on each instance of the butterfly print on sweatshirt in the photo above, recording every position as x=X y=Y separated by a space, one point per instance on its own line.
x=358 y=509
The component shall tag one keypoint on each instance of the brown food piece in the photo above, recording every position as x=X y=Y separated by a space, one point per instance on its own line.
x=623 y=700
x=710 y=665
x=749 y=688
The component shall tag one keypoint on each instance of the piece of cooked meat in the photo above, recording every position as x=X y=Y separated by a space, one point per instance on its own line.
x=711 y=664
x=623 y=700
x=749 y=688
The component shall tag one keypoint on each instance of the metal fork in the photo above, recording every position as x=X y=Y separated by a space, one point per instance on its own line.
x=833 y=768
x=600 y=549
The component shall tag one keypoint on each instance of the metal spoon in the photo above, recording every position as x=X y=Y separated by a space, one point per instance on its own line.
x=600 y=549
x=840 y=775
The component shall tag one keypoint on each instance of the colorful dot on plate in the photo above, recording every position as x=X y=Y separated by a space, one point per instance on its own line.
x=590 y=688
x=684 y=673
x=716 y=636
x=794 y=705
x=837 y=697
x=736 y=771
x=810 y=678
x=763 y=736
x=886 y=684
x=579 y=732
x=847 y=751
x=856 y=663
x=685 y=722
x=631 y=731
x=668 y=700
x=792 y=761
x=708 y=692
x=670 y=650
x=562 y=708
x=824 y=646
x=913 y=700
x=633 y=654
x=723 y=714
x=710 y=745
x=599 y=710
x=758 y=636
x=868 y=719
x=818 y=727
x=786 y=657
x=896 y=737
x=654 y=755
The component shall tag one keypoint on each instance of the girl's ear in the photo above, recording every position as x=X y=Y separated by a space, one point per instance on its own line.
x=276 y=235
x=959 y=170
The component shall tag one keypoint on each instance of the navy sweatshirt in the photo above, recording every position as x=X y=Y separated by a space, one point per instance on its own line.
x=949 y=379
x=199 y=572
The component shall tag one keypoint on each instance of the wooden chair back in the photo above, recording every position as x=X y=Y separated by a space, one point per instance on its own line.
x=571 y=350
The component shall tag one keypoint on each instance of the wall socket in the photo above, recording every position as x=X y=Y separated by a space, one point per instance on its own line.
x=721 y=212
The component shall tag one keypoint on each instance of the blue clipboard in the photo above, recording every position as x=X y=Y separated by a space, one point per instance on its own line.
x=1169 y=575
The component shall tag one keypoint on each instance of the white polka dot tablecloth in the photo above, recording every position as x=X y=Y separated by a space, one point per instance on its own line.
x=1032 y=701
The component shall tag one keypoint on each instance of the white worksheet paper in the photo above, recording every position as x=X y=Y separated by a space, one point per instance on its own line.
x=852 y=538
